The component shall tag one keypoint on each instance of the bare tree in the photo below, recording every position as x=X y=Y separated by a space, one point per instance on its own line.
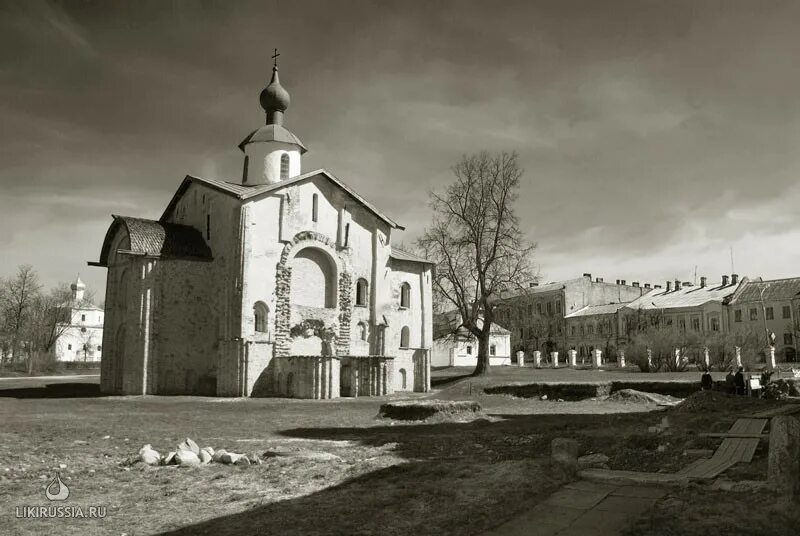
x=476 y=242
x=20 y=293
x=50 y=317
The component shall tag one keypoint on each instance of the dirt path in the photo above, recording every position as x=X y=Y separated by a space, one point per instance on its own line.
x=583 y=508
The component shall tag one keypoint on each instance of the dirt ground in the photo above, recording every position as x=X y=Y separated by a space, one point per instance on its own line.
x=391 y=477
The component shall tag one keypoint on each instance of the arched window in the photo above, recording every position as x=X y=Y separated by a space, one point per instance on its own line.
x=361 y=292
x=405 y=335
x=261 y=313
x=314 y=207
x=284 y=166
x=362 y=331
x=405 y=295
x=402 y=378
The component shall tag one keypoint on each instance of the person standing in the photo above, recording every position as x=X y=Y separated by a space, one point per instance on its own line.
x=739 y=381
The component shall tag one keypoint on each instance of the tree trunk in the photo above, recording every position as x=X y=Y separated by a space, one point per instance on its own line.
x=482 y=368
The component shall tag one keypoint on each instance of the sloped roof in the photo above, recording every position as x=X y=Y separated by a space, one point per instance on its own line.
x=773 y=290
x=691 y=296
x=156 y=238
x=591 y=310
x=445 y=324
x=272 y=132
x=244 y=192
x=401 y=255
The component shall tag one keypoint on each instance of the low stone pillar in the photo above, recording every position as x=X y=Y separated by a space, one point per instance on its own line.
x=598 y=357
x=537 y=358
x=621 y=358
x=564 y=455
x=573 y=358
x=649 y=359
x=738 y=357
x=770 y=354
x=783 y=462
x=706 y=358
x=554 y=359
x=520 y=358
x=677 y=357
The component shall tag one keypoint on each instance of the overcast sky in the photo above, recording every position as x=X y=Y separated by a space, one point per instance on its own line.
x=655 y=136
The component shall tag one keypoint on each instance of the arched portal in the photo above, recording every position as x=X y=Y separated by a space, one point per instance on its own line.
x=313 y=279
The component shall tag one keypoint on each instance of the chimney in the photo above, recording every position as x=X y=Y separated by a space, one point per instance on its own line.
x=656 y=286
x=669 y=286
x=598 y=280
x=703 y=282
x=734 y=279
x=647 y=285
x=677 y=284
x=724 y=280
x=587 y=275
x=621 y=281
x=533 y=284
x=687 y=284
x=635 y=283
x=617 y=281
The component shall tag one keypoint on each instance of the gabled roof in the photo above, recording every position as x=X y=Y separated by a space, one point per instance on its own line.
x=690 y=296
x=591 y=310
x=771 y=290
x=244 y=192
x=157 y=239
x=401 y=255
x=272 y=132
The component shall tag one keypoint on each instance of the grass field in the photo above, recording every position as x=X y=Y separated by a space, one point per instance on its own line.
x=390 y=477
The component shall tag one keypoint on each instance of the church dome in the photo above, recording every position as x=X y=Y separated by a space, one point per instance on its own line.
x=274 y=98
x=78 y=284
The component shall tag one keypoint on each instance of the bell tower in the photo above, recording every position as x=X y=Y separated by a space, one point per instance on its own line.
x=272 y=153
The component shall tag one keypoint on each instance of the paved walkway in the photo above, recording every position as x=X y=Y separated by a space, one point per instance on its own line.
x=583 y=508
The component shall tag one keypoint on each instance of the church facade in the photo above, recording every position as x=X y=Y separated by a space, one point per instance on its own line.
x=282 y=284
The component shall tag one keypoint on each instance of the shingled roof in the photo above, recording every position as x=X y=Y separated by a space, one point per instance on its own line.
x=156 y=239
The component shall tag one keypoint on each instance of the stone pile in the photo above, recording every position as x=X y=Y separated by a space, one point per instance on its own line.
x=189 y=454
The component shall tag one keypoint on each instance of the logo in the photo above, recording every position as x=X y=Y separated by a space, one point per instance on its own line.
x=56 y=490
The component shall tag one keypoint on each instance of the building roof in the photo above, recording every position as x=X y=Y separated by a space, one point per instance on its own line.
x=157 y=239
x=447 y=323
x=244 y=192
x=400 y=255
x=686 y=296
x=591 y=310
x=272 y=133
x=770 y=290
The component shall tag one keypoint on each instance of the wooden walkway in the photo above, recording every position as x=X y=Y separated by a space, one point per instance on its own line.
x=733 y=450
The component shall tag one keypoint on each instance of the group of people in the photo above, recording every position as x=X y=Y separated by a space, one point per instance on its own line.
x=734 y=382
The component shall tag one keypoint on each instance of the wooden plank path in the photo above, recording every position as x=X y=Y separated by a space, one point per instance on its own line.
x=786 y=409
x=733 y=450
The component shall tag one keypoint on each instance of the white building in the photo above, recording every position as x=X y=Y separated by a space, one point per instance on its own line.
x=455 y=346
x=80 y=339
x=282 y=283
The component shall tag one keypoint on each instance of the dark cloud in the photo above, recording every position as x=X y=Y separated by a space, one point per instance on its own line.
x=655 y=135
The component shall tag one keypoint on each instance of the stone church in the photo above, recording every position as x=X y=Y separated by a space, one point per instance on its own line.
x=282 y=284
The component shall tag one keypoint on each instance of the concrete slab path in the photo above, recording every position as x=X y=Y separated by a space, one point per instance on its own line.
x=583 y=508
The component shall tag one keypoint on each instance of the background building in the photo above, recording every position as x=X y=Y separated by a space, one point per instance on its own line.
x=455 y=346
x=595 y=327
x=768 y=307
x=81 y=335
x=536 y=317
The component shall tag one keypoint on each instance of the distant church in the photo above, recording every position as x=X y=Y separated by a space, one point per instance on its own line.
x=81 y=331
x=283 y=284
